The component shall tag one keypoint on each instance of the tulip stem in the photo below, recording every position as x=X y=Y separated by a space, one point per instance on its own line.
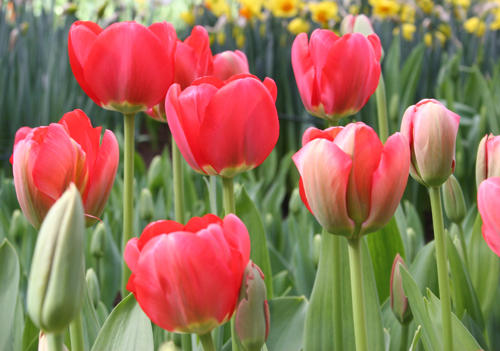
x=178 y=183
x=228 y=193
x=442 y=265
x=76 y=333
x=128 y=194
x=338 y=335
x=383 y=125
x=403 y=345
x=213 y=195
x=55 y=342
x=207 y=342
x=358 y=298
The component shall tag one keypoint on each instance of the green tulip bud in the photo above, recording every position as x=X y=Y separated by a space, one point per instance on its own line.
x=155 y=173
x=316 y=249
x=295 y=201
x=146 y=205
x=93 y=286
x=453 y=198
x=17 y=225
x=98 y=241
x=56 y=283
x=252 y=315
x=399 y=301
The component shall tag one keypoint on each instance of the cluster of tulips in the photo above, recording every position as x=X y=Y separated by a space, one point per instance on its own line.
x=191 y=278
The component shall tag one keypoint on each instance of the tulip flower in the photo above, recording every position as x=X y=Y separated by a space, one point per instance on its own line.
x=431 y=130
x=126 y=67
x=229 y=63
x=187 y=278
x=336 y=76
x=48 y=159
x=488 y=196
x=349 y=181
x=224 y=128
x=356 y=24
x=488 y=158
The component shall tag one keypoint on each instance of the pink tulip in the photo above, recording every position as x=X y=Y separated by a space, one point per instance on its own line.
x=349 y=181
x=488 y=196
x=47 y=159
x=336 y=76
x=224 y=128
x=229 y=63
x=187 y=278
x=431 y=130
x=488 y=158
x=126 y=67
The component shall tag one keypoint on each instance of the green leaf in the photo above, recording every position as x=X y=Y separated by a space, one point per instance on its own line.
x=485 y=281
x=126 y=329
x=248 y=213
x=465 y=298
x=410 y=75
x=30 y=335
x=476 y=332
x=9 y=287
x=487 y=98
x=384 y=245
x=424 y=269
x=416 y=338
x=287 y=323
x=91 y=325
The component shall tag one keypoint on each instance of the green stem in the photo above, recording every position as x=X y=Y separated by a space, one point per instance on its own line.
x=178 y=183
x=186 y=342
x=337 y=292
x=55 y=342
x=128 y=194
x=462 y=244
x=207 y=342
x=405 y=330
x=383 y=125
x=228 y=195
x=213 y=195
x=442 y=265
x=358 y=298
x=76 y=334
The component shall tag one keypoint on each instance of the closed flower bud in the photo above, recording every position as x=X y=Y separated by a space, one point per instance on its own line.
x=93 y=286
x=453 y=198
x=488 y=158
x=399 y=301
x=56 y=283
x=294 y=204
x=146 y=205
x=356 y=24
x=252 y=315
x=98 y=241
x=17 y=225
x=431 y=130
x=155 y=173
x=316 y=249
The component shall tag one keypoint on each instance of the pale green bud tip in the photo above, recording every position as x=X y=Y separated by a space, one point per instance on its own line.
x=155 y=173
x=98 y=241
x=56 y=283
x=399 y=301
x=169 y=346
x=252 y=315
x=295 y=201
x=146 y=205
x=453 y=198
x=316 y=249
x=17 y=225
x=93 y=286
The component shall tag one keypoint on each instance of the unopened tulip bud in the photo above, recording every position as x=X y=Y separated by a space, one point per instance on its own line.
x=316 y=249
x=98 y=241
x=56 y=283
x=399 y=301
x=17 y=225
x=155 y=173
x=356 y=24
x=252 y=315
x=453 y=198
x=431 y=130
x=413 y=243
x=146 y=205
x=295 y=201
x=488 y=158
x=93 y=286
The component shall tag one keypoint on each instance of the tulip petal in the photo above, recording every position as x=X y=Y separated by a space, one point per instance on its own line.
x=240 y=127
x=487 y=203
x=389 y=183
x=131 y=256
x=324 y=169
x=271 y=86
x=237 y=238
x=305 y=72
x=315 y=133
x=377 y=46
x=229 y=63
x=157 y=228
x=20 y=135
x=200 y=42
x=166 y=33
x=185 y=65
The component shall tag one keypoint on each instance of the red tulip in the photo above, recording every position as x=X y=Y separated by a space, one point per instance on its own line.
x=336 y=76
x=47 y=159
x=349 y=181
x=431 y=130
x=488 y=196
x=229 y=63
x=224 y=128
x=488 y=158
x=187 y=278
x=126 y=67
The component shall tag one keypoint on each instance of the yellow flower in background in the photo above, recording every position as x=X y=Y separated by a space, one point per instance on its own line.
x=298 y=25
x=188 y=17
x=262 y=29
x=221 y=37
x=495 y=24
x=445 y=29
x=441 y=37
x=385 y=8
x=426 y=5
x=283 y=8
x=461 y=3
x=475 y=26
x=395 y=31
x=218 y=7
x=408 y=14
x=323 y=11
x=251 y=8
x=408 y=29
x=428 y=39
x=353 y=9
